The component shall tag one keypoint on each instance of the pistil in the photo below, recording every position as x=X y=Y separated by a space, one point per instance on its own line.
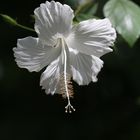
x=67 y=82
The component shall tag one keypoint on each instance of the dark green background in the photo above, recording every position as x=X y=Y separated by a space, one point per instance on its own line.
x=106 y=110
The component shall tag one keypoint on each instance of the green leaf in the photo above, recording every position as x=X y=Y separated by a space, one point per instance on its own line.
x=9 y=20
x=92 y=9
x=125 y=16
x=88 y=8
x=82 y=17
x=86 y=11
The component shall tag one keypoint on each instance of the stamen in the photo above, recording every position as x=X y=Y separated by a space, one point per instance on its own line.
x=69 y=86
x=66 y=84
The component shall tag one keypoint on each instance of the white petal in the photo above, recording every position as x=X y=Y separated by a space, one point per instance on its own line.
x=31 y=54
x=50 y=77
x=92 y=37
x=53 y=19
x=84 y=67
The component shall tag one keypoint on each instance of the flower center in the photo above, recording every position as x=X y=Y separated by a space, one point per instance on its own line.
x=65 y=79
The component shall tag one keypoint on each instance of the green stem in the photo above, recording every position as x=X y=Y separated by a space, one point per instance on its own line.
x=24 y=27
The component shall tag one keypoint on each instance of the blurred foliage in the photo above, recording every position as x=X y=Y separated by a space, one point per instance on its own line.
x=86 y=11
x=13 y=22
x=125 y=16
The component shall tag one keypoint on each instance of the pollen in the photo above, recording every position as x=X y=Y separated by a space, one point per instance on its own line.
x=69 y=86
x=66 y=90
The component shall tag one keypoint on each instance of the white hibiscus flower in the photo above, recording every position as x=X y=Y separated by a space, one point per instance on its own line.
x=68 y=51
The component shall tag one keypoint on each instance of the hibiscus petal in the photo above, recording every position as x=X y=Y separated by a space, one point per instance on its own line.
x=84 y=67
x=52 y=20
x=50 y=78
x=31 y=54
x=92 y=37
